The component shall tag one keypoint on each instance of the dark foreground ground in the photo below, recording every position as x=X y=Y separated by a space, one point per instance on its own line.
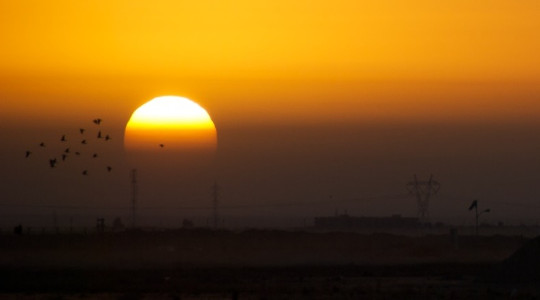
x=200 y=264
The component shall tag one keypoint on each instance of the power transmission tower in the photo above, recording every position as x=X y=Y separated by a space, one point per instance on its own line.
x=423 y=191
x=133 y=175
x=215 y=194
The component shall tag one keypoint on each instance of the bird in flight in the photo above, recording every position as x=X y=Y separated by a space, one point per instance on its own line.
x=85 y=172
x=52 y=162
x=81 y=130
x=107 y=137
x=95 y=155
x=77 y=153
x=97 y=121
x=27 y=153
x=42 y=144
x=161 y=145
x=67 y=150
x=109 y=169
x=64 y=157
x=83 y=142
x=63 y=139
x=99 y=134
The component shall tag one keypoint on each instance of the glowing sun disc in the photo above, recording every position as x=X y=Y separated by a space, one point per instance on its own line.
x=171 y=123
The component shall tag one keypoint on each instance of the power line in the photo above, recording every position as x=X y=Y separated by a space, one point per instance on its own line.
x=61 y=206
x=237 y=206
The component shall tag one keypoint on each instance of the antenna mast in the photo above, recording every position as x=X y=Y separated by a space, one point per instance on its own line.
x=133 y=175
x=423 y=191
x=215 y=194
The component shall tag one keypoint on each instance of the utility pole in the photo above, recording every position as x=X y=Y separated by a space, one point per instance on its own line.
x=55 y=222
x=133 y=176
x=474 y=205
x=423 y=191
x=215 y=195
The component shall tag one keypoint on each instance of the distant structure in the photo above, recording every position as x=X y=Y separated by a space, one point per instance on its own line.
x=346 y=222
x=133 y=176
x=187 y=224
x=423 y=191
x=55 y=221
x=18 y=230
x=118 y=225
x=215 y=195
x=100 y=225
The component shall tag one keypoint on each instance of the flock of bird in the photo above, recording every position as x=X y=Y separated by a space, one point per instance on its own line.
x=82 y=140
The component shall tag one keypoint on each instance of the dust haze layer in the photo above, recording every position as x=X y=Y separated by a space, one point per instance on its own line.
x=330 y=107
x=290 y=171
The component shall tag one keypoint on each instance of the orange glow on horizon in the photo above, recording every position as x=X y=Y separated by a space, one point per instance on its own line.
x=267 y=62
x=276 y=39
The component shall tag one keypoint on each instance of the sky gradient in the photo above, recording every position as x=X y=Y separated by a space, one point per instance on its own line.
x=309 y=98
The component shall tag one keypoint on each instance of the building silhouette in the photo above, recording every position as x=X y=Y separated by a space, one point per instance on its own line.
x=347 y=222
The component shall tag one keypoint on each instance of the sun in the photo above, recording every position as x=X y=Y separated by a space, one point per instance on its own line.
x=170 y=123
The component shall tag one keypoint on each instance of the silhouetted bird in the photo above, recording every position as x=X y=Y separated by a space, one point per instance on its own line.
x=99 y=134
x=474 y=204
x=95 y=155
x=52 y=162
x=161 y=145
x=64 y=157
x=42 y=144
x=85 y=172
x=63 y=139
x=77 y=153
x=27 y=154
x=81 y=130
x=109 y=169
x=97 y=121
x=107 y=137
x=83 y=142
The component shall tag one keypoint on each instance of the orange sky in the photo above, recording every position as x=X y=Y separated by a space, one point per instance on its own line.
x=265 y=61
x=309 y=98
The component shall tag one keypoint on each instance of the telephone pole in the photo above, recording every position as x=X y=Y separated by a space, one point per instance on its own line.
x=215 y=194
x=423 y=191
x=133 y=176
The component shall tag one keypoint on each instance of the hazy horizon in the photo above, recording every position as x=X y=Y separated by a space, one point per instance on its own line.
x=297 y=172
x=318 y=106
